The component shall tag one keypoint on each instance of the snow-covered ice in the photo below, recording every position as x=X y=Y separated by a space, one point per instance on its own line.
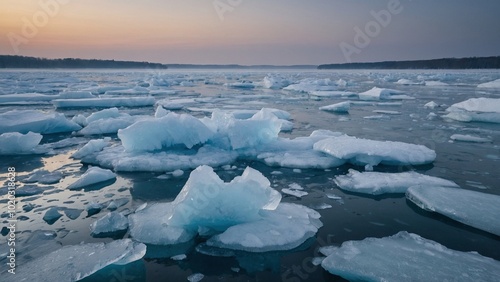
x=475 y=109
x=364 y=151
x=93 y=175
x=377 y=183
x=472 y=208
x=408 y=257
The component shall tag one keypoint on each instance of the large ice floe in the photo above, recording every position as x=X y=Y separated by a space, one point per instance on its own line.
x=244 y=214
x=73 y=263
x=379 y=94
x=407 y=257
x=377 y=183
x=106 y=121
x=23 y=121
x=476 y=209
x=371 y=152
x=475 y=109
x=14 y=143
x=104 y=102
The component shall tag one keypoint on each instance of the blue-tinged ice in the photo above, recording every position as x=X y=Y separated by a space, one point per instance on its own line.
x=207 y=201
x=475 y=109
x=112 y=223
x=149 y=225
x=93 y=175
x=364 y=151
x=159 y=133
x=91 y=147
x=23 y=121
x=479 y=210
x=408 y=257
x=377 y=183
x=73 y=263
x=14 y=143
x=285 y=228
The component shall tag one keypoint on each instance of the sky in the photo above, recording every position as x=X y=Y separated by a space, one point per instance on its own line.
x=250 y=32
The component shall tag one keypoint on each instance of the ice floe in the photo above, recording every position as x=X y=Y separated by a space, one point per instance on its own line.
x=311 y=84
x=93 y=175
x=406 y=256
x=342 y=107
x=104 y=102
x=491 y=84
x=377 y=183
x=112 y=223
x=79 y=261
x=379 y=94
x=23 y=121
x=15 y=143
x=92 y=146
x=475 y=109
x=476 y=209
x=469 y=138
x=364 y=151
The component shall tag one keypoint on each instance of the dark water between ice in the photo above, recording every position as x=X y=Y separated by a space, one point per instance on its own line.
x=473 y=166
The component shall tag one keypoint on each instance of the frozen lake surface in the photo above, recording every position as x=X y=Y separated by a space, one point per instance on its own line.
x=115 y=150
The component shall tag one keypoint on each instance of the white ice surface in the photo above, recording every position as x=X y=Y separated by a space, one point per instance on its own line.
x=377 y=183
x=15 y=143
x=408 y=257
x=476 y=209
x=491 y=84
x=378 y=94
x=110 y=223
x=73 y=263
x=24 y=121
x=342 y=107
x=469 y=138
x=285 y=228
x=91 y=147
x=364 y=151
x=93 y=175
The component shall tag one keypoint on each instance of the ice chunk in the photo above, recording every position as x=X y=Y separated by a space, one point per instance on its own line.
x=93 y=175
x=93 y=208
x=275 y=82
x=293 y=192
x=364 y=151
x=406 y=256
x=161 y=112
x=377 y=183
x=491 y=84
x=342 y=107
x=16 y=143
x=104 y=102
x=79 y=261
x=435 y=83
x=310 y=84
x=158 y=133
x=91 y=147
x=285 y=228
x=149 y=226
x=404 y=81
x=469 y=138
x=431 y=105
x=207 y=201
x=475 y=109
x=112 y=223
x=24 y=121
x=378 y=94
x=473 y=208
x=103 y=114
x=244 y=85
x=44 y=177
x=52 y=215
x=195 y=277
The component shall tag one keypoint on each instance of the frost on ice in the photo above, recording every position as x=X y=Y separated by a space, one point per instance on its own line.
x=377 y=183
x=472 y=208
x=93 y=175
x=406 y=256
x=364 y=151
x=73 y=263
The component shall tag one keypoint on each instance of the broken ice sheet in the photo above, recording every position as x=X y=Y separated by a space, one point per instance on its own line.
x=407 y=257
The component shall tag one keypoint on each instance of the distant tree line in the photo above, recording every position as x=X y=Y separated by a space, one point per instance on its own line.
x=7 y=61
x=449 y=63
